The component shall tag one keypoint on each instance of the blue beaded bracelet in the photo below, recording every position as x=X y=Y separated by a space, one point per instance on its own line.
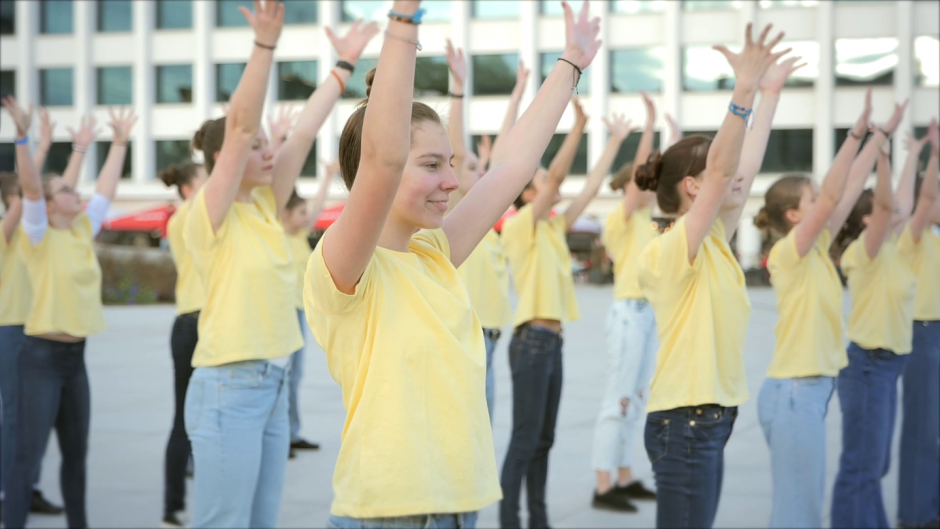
x=745 y=113
x=22 y=141
x=408 y=19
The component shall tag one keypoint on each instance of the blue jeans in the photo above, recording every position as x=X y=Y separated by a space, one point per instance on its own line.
x=183 y=339
x=535 y=362
x=919 y=480
x=686 y=446
x=236 y=418
x=53 y=393
x=296 y=373
x=466 y=520
x=631 y=351
x=11 y=338
x=793 y=416
x=868 y=395
x=490 y=337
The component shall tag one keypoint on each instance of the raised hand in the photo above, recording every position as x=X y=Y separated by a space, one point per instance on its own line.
x=777 y=73
x=864 y=120
x=350 y=47
x=933 y=135
x=86 y=132
x=620 y=127
x=23 y=119
x=579 y=115
x=913 y=144
x=457 y=63
x=522 y=75
x=892 y=124
x=46 y=126
x=484 y=148
x=283 y=124
x=330 y=169
x=266 y=21
x=121 y=124
x=750 y=65
x=674 y=131
x=581 y=42
x=650 y=109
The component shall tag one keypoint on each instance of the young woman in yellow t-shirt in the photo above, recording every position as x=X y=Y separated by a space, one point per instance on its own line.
x=236 y=410
x=190 y=296
x=809 y=348
x=881 y=282
x=57 y=248
x=918 y=488
x=697 y=290
x=386 y=302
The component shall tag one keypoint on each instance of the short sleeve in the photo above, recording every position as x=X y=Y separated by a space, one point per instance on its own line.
x=906 y=245
x=664 y=264
x=613 y=227
x=434 y=238
x=519 y=232
x=97 y=210
x=855 y=256
x=783 y=256
x=320 y=291
x=197 y=232
x=83 y=226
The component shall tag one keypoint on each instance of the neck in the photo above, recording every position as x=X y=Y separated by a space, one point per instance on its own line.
x=243 y=194
x=291 y=230
x=60 y=221
x=396 y=236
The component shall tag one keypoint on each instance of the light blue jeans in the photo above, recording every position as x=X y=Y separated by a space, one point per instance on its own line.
x=467 y=520
x=236 y=419
x=490 y=339
x=296 y=373
x=792 y=414
x=631 y=351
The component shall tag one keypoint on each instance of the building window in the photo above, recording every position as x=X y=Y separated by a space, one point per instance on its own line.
x=436 y=10
x=300 y=12
x=706 y=70
x=115 y=85
x=55 y=87
x=7 y=17
x=431 y=77
x=55 y=17
x=789 y=151
x=104 y=146
x=171 y=152
x=296 y=80
x=226 y=79
x=637 y=69
x=920 y=132
x=7 y=157
x=175 y=83
x=7 y=83
x=227 y=14
x=495 y=9
x=637 y=6
x=58 y=157
x=840 y=134
x=312 y=162
x=550 y=59
x=927 y=61
x=174 y=14
x=494 y=74
x=580 y=165
x=710 y=5
x=866 y=62
x=765 y=4
x=356 y=86
x=628 y=149
x=114 y=16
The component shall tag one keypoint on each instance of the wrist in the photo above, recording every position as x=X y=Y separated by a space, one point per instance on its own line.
x=351 y=60
x=572 y=55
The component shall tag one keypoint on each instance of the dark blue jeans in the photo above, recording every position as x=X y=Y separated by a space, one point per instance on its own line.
x=11 y=341
x=868 y=395
x=53 y=392
x=919 y=480
x=183 y=340
x=535 y=362
x=687 y=446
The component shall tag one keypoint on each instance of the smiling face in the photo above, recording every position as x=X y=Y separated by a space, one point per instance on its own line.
x=428 y=178
x=61 y=198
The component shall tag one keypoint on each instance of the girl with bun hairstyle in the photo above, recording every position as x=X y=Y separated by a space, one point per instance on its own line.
x=697 y=290
x=57 y=249
x=880 y=325
x=386 y=302
x=809 y=349
x=919 y=490
x=236 y=410
x=188 y=178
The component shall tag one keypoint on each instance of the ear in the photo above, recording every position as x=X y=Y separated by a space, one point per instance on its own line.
x=792 y=216
x=529 y=194
x=690 y=186
x=865 y=220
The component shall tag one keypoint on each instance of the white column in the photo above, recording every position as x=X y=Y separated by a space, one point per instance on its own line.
x=528 y=48
x=672 y=70
x=27 y=29
x=903 y=78
x=460 y=36
x=144 y=167
x=84 y=97
x=749 y=237
x=328 y=139
x=600 y=88
x=823 y=132
x=203 y=67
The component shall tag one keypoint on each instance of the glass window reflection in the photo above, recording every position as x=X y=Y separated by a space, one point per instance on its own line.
x=174 y=14
x=437 y=10
x=580 y=165
x=706 y=70
x=55 y=17
x=7 y=18
x=637 y=69
x=115 y=85
x=55 y=87
x=496 y=9
x=114 y=16
x=227 y=14
x=550 y=59
x=789 y=151
x=865 y=62
x=637 y=6
x=58 y=157
x=711 y=5
x=226 y=80
x=628 y=149
x=169 y=152
x=494 y=74
x=431 y=77
x=175 y=83
x=296 y=80
x=102 y=150
x=8 y=157
x=927 y=61
x=300 y=12
x=311 y=164
x=7 y=83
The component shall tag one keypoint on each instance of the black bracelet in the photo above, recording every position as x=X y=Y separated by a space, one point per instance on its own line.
x=456 y=96
x=264 y=46
x=575 y=66
x=346 y=66
x=852 y=134
x=883 y=131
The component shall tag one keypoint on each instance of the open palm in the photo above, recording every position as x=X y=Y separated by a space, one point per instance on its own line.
x=350 y=47
x=457 y=63
x=777 y=74
x=581 y=34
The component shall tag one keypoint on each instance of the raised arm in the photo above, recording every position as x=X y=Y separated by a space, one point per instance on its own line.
x=331 y=169
x=243 y=121
x=30 y=180
x=928 y=187
x=561 y=165
x=512 y=112
x=280 y=127
x=618 y=130
x=833 y=187
x=633 y=196
x=294 y=151
x=81 y=142
x=724 y=154
x=121 y=124
x=455 y=126
x=46 y=129
x=882 y=206
x=904 y=194
x=755 y=140
x=526 y=142
x=386 y=139
x=675 y=133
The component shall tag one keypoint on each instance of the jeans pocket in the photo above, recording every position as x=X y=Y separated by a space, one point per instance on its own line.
x=240 y=377
x=656 y=437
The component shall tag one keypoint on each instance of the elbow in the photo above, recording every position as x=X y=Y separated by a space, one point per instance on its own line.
x=388 y=159
x=238 y=123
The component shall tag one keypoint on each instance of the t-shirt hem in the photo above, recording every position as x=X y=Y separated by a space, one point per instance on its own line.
x=728 y=403
x=221 y=360
x=804 y=374
x=890 y=348
x=415 y=509
x=12 y=322
x=927 y=317
x=30 y=331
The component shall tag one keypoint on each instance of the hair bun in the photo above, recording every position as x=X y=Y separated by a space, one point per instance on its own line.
x=647 y=175
x=762 y=220
x=171 y=175
x=201 y=134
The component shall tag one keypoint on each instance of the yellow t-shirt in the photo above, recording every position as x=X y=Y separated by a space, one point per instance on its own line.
x=702 y=312
x=810 y=334
x=300 y=254
x=926 y=264
x=249 y=277
x=624 y=240
x=486 y=275
x=408 y=352
x=15 y=295
x=541 y=267
x=190 y=292
x=65 y=279
x=882 y=314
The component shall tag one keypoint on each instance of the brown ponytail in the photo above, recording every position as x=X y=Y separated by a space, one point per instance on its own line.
x=179 y=176
x=785 y=194
x=664 y=172
x=622 y=178
x=854 y=225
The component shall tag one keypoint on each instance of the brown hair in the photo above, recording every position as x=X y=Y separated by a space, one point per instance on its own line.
x=208 y=139
x=664 y=172
x=854 y=226
x=294 y=201
x=179 y=176
x=350 y=141
x=622 y=178
x=9 y=186
x=783 y=195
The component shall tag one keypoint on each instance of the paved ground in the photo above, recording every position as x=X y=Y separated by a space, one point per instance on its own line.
x=130 y=371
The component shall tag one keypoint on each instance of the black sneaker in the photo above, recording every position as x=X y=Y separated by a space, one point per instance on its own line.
x=303 y=444
x=171 y=520
x=612 y=501
x=636 y=491
x=41 y=505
